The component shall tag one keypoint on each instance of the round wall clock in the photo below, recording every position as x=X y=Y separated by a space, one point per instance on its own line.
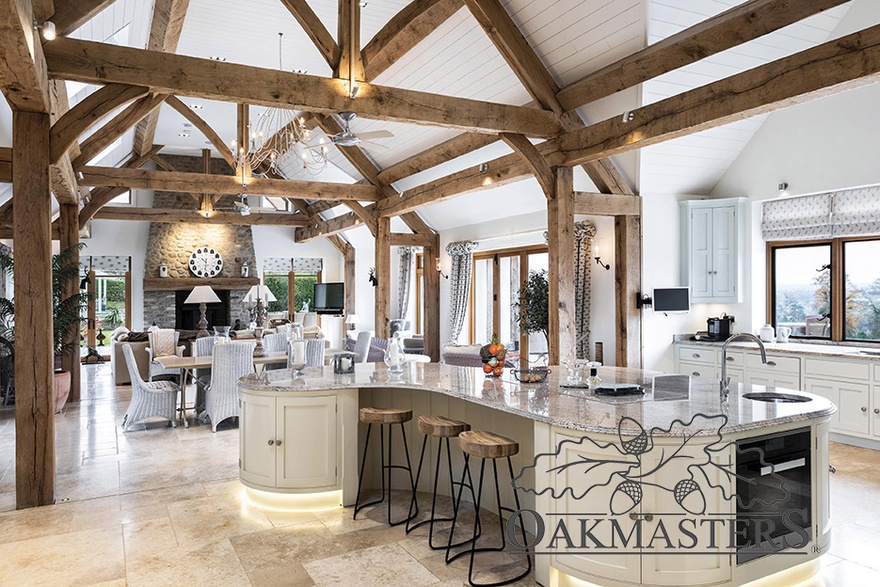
x=205 y=262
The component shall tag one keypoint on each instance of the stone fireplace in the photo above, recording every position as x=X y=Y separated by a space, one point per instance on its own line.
x=173 y=242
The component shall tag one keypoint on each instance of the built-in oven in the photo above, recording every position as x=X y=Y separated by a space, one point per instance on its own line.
x=774 y=494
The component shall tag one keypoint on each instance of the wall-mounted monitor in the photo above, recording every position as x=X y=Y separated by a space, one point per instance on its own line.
x=672 y=299
x=330 y=298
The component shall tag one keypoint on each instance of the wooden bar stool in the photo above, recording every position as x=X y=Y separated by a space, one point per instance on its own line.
x=444 y=429
x=486 y=445
x=383 y=417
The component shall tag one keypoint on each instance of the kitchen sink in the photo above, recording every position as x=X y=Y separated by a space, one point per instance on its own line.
x=772 y=396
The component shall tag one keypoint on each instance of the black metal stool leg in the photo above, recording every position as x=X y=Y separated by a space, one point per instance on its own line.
x=466 y=472
x=410 y=514
x=357 y=498
x=414 y=502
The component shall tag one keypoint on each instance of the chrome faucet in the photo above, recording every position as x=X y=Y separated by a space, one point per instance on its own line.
x=725 y=380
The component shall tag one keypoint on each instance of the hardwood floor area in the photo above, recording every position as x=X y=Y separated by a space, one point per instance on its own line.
x=162 y=506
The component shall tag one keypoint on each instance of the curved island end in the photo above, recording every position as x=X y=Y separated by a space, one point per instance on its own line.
x=676 y=486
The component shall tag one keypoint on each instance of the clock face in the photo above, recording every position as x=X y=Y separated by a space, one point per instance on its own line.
x=205 y=262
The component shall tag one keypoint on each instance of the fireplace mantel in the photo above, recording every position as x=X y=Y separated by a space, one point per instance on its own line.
x=218 y=283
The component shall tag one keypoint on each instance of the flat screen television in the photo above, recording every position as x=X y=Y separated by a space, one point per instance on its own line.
x=672 y=299
x=329 y=298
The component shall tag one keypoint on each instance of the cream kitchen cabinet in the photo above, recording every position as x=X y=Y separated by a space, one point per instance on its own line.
x=847 y=384
x=289 y=443
x=712 y=242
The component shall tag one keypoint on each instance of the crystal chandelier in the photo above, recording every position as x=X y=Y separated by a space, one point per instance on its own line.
x=279 y=134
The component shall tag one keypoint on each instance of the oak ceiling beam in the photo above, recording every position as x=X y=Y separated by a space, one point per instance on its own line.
x=839 y=65
x=169 y=181
x=23 y=77
x=205 y=128
x=330 y=227
x=606 y=204
x=446 y=151
x=90 y=62
x=86 y=113
x=315 y=29
x=165 y=30
x=403 y=32
x=533 y=158
x=523 y=60
x=733 y=27
x=43 y=9
x=61 y=177
x=72 y=14
x=5 y=166
x=116 y=127
x=400 y=239
x=351 y=65
x=190 y=217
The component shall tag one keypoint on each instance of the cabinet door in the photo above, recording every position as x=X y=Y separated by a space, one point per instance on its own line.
x=257 y=428
x=701 y=253
x=659 y=505
x=307 y=431
x=875 y=412
x=724 y=248
x=854 y=402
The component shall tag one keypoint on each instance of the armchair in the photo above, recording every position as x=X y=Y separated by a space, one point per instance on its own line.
x=163 y=343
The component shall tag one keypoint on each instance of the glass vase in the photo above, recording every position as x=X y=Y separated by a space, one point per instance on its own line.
x=394 y=356
x=221 y=335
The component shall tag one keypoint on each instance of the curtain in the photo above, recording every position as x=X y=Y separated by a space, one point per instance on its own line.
x=462 y=254
x=404 y=280
x=583 y=244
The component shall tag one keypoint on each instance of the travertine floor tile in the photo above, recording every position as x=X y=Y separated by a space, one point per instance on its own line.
x=148 y=536
x=372 y=567
x=215 y=564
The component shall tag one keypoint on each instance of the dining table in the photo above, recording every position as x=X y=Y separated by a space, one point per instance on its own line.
x=187 y=364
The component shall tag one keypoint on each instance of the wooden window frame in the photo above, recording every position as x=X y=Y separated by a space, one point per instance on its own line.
x=838 y=281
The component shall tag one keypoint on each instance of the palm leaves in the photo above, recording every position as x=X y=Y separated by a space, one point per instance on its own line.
x=66 y=311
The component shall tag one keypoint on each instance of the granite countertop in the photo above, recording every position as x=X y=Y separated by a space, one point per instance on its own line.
x=667 y=397
x=818 y=349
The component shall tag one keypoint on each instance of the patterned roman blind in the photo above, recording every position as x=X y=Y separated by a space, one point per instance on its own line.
x=845 y=213
x=106 y=265
x=299 y=265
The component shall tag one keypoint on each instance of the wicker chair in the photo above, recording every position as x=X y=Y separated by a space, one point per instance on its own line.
x=231 y=361
x=157 y=370
x=202 y=347
x=275 y=343
x=314 y=353
x=148 y=399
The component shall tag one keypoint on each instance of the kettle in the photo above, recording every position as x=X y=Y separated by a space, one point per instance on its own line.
x=767 y=334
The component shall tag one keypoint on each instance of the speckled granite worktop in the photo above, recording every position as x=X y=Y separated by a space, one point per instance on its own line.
x=817 y=349
x=667 y=397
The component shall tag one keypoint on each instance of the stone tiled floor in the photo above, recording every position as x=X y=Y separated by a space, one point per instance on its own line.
x=162 y=506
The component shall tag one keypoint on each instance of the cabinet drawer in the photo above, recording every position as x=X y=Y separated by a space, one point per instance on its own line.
x=734 y=359
x=696 y=369
x=860 y=370
x=696 y=355
x=774 y=363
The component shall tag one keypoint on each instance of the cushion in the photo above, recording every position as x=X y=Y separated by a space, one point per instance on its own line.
x=136 y=337
x=462 y=349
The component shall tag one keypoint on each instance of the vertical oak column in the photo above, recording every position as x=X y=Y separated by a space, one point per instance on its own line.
x=560 y=232
x=432 y=299
x=349 y=276
x=383 y=274
x=68 y=222
x=628 y=278
x=32 y=237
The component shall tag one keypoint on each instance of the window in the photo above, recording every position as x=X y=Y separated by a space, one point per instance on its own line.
x=827 y=289
x=277 y=284
x=304 y=290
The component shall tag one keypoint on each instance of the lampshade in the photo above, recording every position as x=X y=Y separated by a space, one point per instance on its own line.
x=259 y=291
x=352 y=319
x=202 y=294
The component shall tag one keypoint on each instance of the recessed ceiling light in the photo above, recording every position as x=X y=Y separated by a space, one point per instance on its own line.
x=217 y=58
x=183 y=134
x=301 y=71
x=196 y=106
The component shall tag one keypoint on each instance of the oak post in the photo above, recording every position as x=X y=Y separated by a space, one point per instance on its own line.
x=432 y=299
x=68 y=222
x=382 y=291
x=32 y=221
x=560 y=223
x=628 y=277
x=349 y=277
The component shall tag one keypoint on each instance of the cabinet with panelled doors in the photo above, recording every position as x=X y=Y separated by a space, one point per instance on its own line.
x=847 y=383
x=713 y=235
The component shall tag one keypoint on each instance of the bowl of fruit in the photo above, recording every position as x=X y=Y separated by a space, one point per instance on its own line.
x=493 y=355
x=532 y=375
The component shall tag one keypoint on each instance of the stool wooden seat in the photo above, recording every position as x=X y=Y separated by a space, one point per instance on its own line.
x=384 y=416
x=441 y=427
x=487 y=445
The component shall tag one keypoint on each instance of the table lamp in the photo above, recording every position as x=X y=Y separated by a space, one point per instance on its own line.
x=202 y=295
x=352 y=320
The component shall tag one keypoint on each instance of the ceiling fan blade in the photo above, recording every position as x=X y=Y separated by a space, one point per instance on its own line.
x=375 y=134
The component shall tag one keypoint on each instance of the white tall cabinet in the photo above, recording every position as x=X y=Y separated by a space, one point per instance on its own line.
x=712 y=242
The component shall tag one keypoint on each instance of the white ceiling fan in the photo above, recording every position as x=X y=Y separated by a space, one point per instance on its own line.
x=347 y=138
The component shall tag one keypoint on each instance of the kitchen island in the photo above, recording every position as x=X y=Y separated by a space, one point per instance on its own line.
x=664 y=488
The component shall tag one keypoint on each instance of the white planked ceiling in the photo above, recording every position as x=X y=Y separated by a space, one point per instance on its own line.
x=694 y=164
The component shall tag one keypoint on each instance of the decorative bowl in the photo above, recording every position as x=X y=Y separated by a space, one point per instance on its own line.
x=531 y=375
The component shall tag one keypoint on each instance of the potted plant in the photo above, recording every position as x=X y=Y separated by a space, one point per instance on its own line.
x=66 y=314
x=533 y=307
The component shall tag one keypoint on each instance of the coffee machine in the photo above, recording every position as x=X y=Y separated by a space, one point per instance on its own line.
x=718 y=329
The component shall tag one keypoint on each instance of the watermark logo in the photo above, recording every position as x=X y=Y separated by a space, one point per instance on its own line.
x=713 y=495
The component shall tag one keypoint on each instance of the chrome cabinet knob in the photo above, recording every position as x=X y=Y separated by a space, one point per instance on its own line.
x=696 y=373
x=633 y=516
x=877 y=410
x=771 y=363
x=278 y=442
x=271 y=442
x=864 y=409
x=649 y=517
